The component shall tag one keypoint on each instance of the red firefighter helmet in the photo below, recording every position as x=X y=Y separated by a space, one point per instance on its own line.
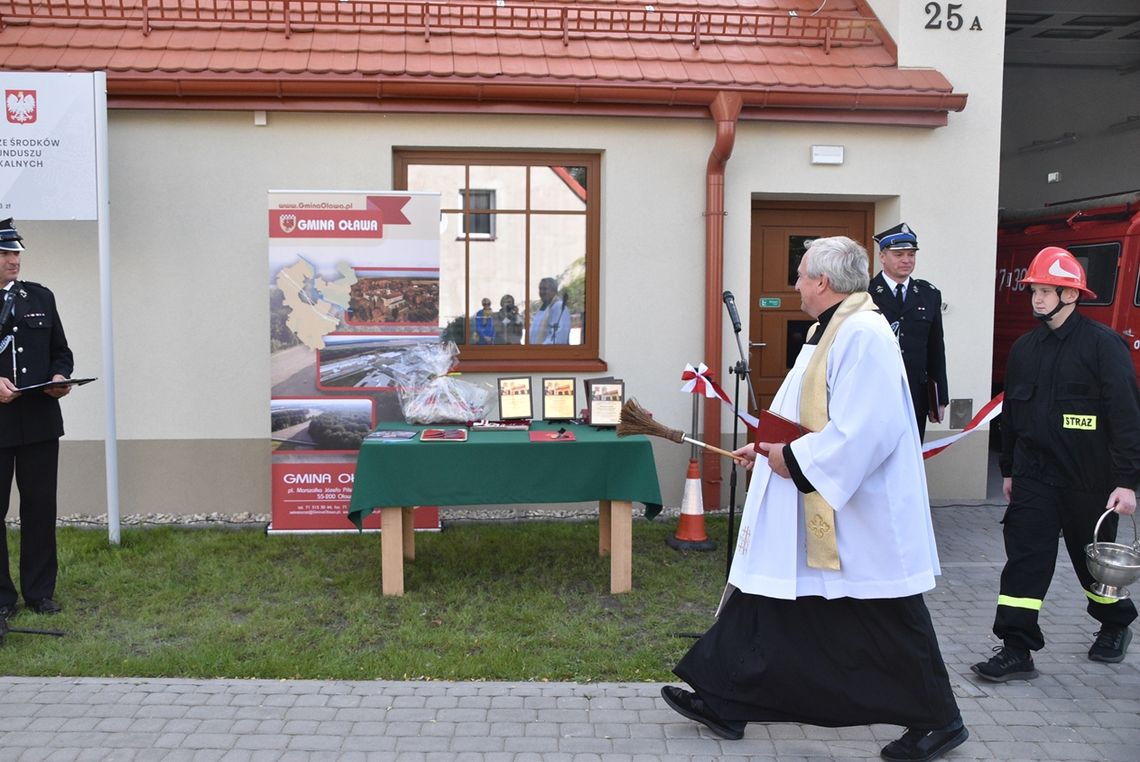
x=1053 y=266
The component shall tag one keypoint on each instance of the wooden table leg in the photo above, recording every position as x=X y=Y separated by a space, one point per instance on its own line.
x=392 y=551
x=621 y=533
x=604 y=527
x=409 y=534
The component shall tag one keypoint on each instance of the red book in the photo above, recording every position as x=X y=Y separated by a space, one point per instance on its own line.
x=776 y=428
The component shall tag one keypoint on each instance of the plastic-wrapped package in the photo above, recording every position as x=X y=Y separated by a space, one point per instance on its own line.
x=428 y=395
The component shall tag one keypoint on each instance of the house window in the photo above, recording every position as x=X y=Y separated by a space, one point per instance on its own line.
x=519 y=254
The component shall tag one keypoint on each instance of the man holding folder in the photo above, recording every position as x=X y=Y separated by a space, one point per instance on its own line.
x=33 y=349
x=913 y=308
x=823 y=620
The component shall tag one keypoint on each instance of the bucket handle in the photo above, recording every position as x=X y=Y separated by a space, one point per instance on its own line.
x=1096 y=532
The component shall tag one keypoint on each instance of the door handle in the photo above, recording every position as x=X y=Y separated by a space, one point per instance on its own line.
x=757 y=344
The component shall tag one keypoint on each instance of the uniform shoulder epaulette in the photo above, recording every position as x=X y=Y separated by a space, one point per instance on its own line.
x=33 y=284
x=925 y=284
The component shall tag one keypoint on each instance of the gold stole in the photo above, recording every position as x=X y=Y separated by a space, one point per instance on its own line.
x=819 y=517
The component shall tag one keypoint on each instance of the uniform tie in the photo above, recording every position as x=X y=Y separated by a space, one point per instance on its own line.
x=899 y=294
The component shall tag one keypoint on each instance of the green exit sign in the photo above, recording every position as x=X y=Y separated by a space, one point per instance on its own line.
x=769 y=302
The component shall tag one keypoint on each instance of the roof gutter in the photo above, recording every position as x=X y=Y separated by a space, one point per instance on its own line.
x=725 y=109
x=395 y=94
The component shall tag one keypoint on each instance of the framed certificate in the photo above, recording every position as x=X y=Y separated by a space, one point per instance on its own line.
x=514 y=398
x=606 y=399
x=586 y=383
x=558 y=399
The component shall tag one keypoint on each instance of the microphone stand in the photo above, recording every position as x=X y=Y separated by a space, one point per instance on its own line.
x=741 y=371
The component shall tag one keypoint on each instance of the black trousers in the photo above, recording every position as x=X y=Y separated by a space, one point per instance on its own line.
x=36 y=468
x=1037 y=513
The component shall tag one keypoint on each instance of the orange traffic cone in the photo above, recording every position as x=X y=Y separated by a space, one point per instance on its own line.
x=690 y=534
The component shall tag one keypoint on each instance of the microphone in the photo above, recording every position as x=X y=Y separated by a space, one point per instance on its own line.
x=6 y=310
x=733 y=315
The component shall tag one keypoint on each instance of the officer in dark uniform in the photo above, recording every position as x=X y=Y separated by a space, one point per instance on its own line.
x=33 y=349
x=1070 y=452
x=913 y=307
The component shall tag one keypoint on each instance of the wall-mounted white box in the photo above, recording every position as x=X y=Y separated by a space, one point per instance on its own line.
x=827 y=154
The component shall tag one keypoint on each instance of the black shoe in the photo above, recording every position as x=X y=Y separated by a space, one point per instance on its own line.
x=924 y=745
x=1111 y=644
x=689 y=704
x=7 y=612
x=43 y=606
x=1006 y=664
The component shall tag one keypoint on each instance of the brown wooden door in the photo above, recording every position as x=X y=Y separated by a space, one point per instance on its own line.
x=776 y=325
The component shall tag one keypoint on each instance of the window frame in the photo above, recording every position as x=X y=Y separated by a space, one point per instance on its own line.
x=584 y=357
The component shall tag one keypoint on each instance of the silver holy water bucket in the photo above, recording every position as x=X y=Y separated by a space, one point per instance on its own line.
x=1112 y=564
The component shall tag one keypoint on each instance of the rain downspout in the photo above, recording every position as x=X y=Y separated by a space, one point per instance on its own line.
x=725 y=110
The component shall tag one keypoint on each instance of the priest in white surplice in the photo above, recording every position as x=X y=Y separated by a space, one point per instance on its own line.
x=823 y=621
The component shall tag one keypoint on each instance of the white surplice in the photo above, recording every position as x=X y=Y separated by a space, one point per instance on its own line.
x=867 y=463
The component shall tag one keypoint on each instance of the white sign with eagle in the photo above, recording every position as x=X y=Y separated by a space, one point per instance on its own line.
x=48 y=145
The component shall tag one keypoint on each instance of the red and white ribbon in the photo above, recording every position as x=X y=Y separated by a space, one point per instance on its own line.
x=991 y=410
x=699 y=381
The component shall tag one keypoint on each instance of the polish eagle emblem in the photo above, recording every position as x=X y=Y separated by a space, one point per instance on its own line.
x=20 y=106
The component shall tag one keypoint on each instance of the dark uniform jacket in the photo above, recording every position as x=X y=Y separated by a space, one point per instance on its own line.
x=40 y=350
x=1071 y=415
x=919 y=329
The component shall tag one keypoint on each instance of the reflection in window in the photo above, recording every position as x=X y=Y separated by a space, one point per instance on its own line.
x=518 y=251
x=478 y=200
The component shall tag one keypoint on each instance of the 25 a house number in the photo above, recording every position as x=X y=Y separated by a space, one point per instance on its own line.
x=954 y=21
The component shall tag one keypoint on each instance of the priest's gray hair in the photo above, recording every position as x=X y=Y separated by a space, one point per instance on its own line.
x=842 y=260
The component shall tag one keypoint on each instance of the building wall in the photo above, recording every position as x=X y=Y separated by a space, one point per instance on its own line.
x=188 y=231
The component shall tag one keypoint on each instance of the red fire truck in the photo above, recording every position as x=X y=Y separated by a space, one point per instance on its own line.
x=1103 y=233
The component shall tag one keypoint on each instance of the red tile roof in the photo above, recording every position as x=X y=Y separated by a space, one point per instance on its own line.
x=604 y=57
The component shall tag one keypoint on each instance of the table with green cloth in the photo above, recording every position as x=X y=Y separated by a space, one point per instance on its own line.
x=504 y=467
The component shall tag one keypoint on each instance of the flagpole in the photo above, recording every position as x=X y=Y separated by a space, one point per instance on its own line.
x=102 y=213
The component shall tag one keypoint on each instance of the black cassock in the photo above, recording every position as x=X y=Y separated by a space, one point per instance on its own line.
x=824 y=662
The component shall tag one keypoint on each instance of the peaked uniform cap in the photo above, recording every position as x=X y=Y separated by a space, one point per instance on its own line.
x=9 y=238
x=901 y=236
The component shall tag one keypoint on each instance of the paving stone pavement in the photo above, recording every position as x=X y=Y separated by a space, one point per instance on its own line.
x=1076 y=710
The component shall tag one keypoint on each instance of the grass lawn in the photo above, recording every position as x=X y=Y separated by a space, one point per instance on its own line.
x=493 y=601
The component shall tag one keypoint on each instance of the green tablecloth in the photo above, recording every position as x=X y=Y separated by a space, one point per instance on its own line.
x=503 y=467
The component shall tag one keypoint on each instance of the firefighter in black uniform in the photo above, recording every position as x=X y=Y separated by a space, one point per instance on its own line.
x=34 y=350
x=1070 y=452
x=913 y=307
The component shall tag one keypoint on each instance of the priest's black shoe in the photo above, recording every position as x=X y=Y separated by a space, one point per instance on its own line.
x=44 y=606
x=7 y=612
x=924 y=745
x=689 y=704
x=1006 y=664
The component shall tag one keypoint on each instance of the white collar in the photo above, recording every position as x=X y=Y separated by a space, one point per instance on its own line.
x=905 y=284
